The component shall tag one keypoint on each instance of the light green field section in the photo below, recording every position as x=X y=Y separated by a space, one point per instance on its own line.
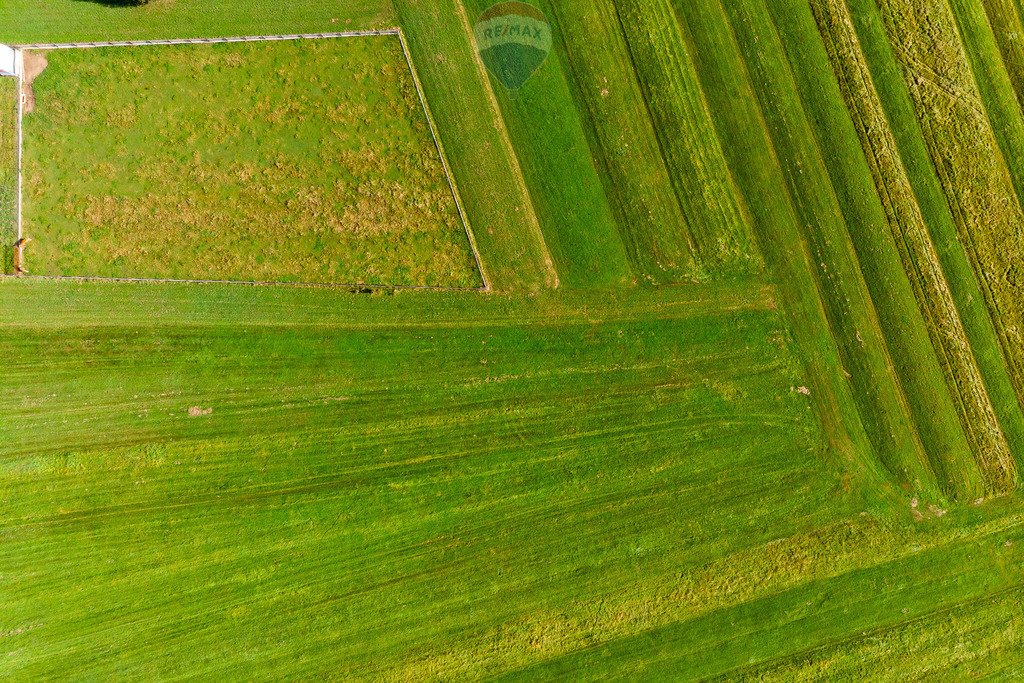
x=54 y=21
x=658 y=237
x=599 y=469
x=553 y=150
x=688 y=141
x=297 y=161
x=8 y=171
x=950 y=101
x=490 y=181
x=406 y=472
x=898 y=616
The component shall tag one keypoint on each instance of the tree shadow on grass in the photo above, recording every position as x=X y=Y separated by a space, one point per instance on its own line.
x=118 y=3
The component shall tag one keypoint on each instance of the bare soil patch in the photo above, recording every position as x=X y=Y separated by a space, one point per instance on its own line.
x=34 y=64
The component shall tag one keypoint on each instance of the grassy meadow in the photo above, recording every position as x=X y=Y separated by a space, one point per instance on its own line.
x=740 y=403
x=283 y=161
x=8 y=170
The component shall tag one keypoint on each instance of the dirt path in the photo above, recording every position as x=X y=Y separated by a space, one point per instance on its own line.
x=34 y=64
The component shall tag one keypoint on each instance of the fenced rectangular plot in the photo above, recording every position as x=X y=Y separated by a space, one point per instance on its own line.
x=261 y=161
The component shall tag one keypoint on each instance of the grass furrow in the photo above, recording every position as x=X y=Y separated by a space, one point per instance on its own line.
x=654 y=229
x=688 y=140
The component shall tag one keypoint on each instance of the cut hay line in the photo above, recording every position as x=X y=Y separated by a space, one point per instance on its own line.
x=754 y=162
x=853 y=319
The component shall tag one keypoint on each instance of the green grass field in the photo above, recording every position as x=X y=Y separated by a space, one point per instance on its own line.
x=300 y=162
x=741 y=403
x=8 y=169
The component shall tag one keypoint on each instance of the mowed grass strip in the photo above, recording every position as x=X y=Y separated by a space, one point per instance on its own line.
x=853 y=321
x=966 y=153
x=903 y=328
x=286 y=161
x=710 y=199
x=215 y=499
x=470 y=125
x=8 y=171
x=977 y=638
x=653 y=228
x=920 y=258
x=553 y=149
x=54 y=21
x=1007 y=25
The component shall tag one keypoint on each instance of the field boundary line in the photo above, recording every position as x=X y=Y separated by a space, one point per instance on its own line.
x=502 y=128
x=250 y=283
x=19 y=62
x=397 y=32
x=209 y=41
x=444 y=160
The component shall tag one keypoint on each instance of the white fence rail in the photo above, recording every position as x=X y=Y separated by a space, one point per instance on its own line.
x=210 y=41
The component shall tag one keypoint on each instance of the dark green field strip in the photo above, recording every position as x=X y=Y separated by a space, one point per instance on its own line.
x=357 y=496
x=8 y=171
x=653 y=228
x=554 y=153
x=31 y=21
x=752 y=160
x=688 y=141
x=857 y=608
x=964 y=288
x=504 y=356
x=903 y=328
x=882 y=401
x=1007 y=25
x=840 y=285
x=486 y=170
x=920 y=258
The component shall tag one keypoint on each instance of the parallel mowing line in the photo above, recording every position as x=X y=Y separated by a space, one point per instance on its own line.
x=652 y=224
x=967 y=158
x=688 y=140
x=976 y=413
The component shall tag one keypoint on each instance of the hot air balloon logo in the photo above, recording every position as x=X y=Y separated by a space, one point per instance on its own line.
x=514 y=39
